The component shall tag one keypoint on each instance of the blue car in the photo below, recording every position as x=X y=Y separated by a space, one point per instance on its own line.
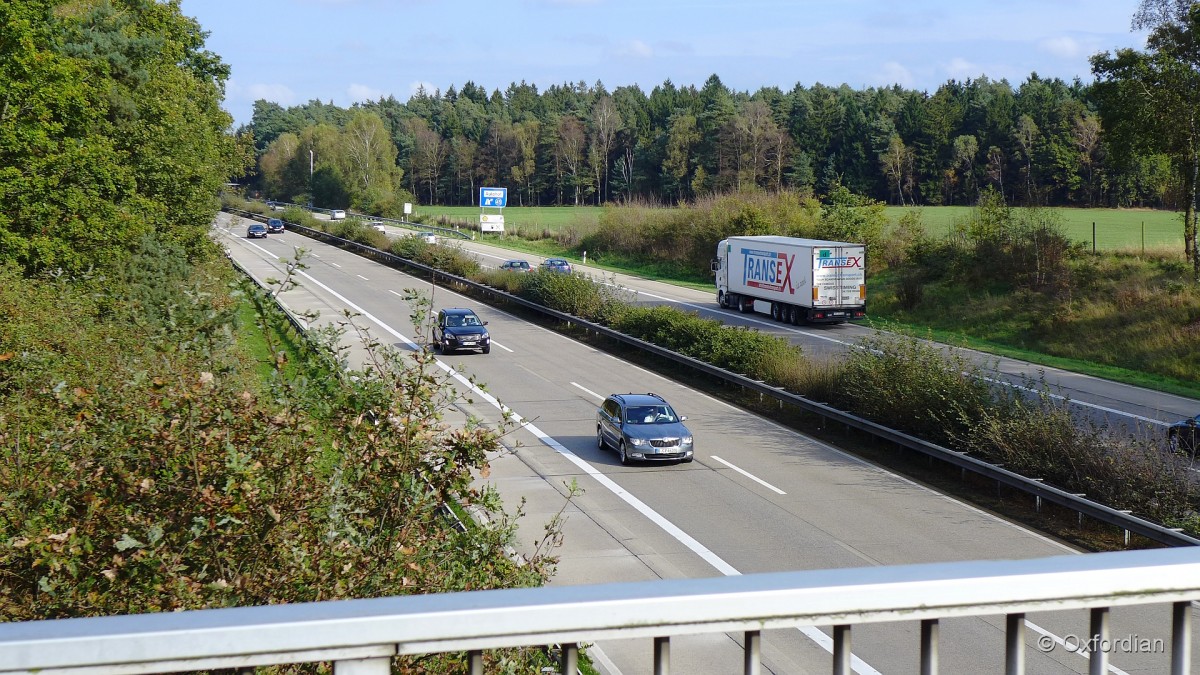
x=556 y=265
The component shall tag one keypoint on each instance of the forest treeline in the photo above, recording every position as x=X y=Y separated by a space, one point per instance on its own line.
x=1040 y=143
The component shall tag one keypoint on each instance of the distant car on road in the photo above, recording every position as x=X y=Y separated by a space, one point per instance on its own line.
x=337 y=214
x=256 y=230
x=643 y=426
x=427 y=237
x=458 y=328
x=1184 y=435
x=556 y=265
x=274 y=225
x=516 y=266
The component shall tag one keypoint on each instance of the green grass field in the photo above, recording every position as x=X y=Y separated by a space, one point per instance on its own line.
x=1114 y=228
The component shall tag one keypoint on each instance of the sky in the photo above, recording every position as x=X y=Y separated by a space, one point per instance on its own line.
x=346 y=51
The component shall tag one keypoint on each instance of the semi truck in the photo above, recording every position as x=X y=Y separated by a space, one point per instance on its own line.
x=794 y=280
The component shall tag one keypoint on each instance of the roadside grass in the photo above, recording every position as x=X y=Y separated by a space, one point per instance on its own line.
x=1125 y=318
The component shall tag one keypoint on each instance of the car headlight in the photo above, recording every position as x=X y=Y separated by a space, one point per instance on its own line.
x=639 y=441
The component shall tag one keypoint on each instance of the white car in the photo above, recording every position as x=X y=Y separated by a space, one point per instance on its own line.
x=337 y=214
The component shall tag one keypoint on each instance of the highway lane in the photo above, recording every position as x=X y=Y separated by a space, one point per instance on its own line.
x=1114 y=403
x=758 y=498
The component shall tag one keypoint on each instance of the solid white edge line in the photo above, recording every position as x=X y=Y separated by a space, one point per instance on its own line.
x=749 y=475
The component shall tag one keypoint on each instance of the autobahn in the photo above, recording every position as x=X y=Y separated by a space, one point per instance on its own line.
x=758 y=497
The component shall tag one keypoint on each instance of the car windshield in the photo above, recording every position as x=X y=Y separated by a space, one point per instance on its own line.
x=651 y=414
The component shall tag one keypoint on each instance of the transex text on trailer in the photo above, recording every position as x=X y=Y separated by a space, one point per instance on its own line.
x=794 y=280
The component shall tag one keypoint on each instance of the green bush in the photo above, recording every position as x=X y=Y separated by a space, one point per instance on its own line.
x=147 y=467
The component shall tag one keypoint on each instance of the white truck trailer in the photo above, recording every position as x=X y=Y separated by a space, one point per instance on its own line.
x=794 y=280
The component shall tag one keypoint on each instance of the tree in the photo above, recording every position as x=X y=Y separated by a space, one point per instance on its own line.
x=682 y=138
x=965 y=149
x=606 y=122
x=1151 y=100
x=1025 y=135
x=110 y=127
x=369 y=152
x=569 y=154
x=429 y=154
x=894 y=161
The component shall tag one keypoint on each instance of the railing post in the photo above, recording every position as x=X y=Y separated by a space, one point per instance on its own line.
x=752 y=653
x=570 y=659
x=1014 y=644
x=662 y=656
x=929 y=646
x=841 y=650
x=376 y=666
x=1098 y=659
x=1181 y=638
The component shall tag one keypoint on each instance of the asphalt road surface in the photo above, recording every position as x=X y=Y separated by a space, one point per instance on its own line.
x=758 y=498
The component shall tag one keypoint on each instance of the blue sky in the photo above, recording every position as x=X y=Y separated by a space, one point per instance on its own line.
x=293 y=51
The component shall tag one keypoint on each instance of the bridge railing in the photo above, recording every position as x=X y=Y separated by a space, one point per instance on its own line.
x=360 y=637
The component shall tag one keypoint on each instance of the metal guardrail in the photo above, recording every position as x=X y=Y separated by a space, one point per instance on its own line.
x=1092 y=509
x=361 y=636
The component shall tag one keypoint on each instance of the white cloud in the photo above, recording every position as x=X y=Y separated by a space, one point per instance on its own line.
x=894 y=73
x=636 y=49
x=962 y=69
x=1063 y=47
x=276 y=93
x=361 y=92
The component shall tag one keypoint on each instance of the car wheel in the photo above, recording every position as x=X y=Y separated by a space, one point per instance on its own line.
x=600 y=439
x=624 y=455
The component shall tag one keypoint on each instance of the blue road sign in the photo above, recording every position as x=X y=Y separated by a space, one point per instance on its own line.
x=493 y=197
